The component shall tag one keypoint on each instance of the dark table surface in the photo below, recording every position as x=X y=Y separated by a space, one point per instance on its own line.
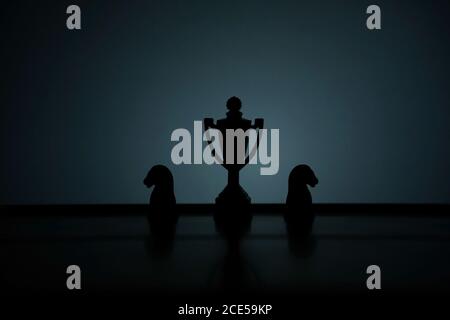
x=116 y=255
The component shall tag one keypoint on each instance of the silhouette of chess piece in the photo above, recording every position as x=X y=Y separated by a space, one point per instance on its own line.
x=232 y=215
x=299 y=216
x=233 y=192
x=162 y=216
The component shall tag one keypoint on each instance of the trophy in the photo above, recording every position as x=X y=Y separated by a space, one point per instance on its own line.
x=234 y=194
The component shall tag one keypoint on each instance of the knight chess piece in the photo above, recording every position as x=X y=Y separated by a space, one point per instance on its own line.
x=162 y=216
x=299 y=217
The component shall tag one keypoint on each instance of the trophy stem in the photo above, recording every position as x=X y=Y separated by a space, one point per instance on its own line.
x=233 y=178
x=233 y=194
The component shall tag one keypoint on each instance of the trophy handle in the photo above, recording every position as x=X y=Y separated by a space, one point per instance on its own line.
x=259 y=123
x=209 y=124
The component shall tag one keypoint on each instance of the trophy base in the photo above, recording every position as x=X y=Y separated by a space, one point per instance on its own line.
x=233 y=196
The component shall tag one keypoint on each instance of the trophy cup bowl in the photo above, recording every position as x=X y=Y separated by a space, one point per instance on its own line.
x=233 y=193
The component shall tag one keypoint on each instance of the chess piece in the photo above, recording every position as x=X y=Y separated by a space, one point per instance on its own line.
x=300 y=216
x=232 y=216
x=233 y=192
x=162 y=216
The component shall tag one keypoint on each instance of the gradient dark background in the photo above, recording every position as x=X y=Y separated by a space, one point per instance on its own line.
x=85 y=114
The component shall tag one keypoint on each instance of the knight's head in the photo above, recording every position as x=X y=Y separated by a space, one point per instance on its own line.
x=302 y=175
x=159 y=176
